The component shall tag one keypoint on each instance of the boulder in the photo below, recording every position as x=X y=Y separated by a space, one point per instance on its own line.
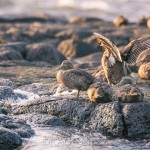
x=6 y=93
x=18 y=46
x=17 y=125
x=44 y=119
x=119 y=21
x=6 y=82
x=81 y=19
x=9 y=139
x=73 y=48
x=44 y=52
x=9 y=54
x=105 y=117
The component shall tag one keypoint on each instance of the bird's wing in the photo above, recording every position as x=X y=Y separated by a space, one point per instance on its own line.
x=76 y=77
x=107 y=44
x=135 y=48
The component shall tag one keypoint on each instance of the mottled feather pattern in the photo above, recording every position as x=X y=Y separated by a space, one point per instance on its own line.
x=77 y=79
x=134 y=49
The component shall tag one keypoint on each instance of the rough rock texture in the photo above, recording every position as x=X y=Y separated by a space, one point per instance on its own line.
x=73 y=48
x=5 y=107
x=6 y=93
x=9 y=54
x=44 y=52
x=9 y=139
x=45 y=119
x=17 y=125
x=106 y=117
x=137 y=118
x=6 y=82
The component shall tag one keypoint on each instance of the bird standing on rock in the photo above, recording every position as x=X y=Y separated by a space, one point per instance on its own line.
x=73 y=78
x=114 y=63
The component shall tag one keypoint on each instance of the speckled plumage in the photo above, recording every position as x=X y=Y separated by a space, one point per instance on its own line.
x=127 y=92
x=114 y=63
x=74 y=78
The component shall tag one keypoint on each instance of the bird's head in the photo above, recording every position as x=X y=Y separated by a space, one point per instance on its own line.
x=65 y=65
x=108 y=45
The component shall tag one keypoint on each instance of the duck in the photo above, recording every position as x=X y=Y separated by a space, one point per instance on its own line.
x=99 y=91
x=127 y=91
x=116 y=64
x=73 y=78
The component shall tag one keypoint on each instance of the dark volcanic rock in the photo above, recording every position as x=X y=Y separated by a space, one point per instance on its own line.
x=72 y=48
x=5 y=108
x=43 y=52
x=11 y=63
x=6 y=82
x=18 y=46
x=9 y=139
x=137 y=119
x=9 y=54
x=44 y=119
x=6 y=93
x=17 y=125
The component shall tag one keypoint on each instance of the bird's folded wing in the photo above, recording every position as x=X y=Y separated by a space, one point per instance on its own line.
x=135 y=48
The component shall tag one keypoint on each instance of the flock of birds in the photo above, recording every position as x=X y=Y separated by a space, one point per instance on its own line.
x=116 y=72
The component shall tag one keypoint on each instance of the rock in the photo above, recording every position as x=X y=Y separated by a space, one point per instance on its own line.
x=92 y=40
x=75 y=35
x=136 y=118
x=72 y=48
x=44 y=119
x=15 y=63
x=17 y=125
x=144 y=71
x=79 y=19
x=107 y=117
x=9 y=54
x=9 y=139
x=43 y=52
x=7 y=82
x=5 y=107
x=91 y=58
x=18 y=46
x=6 y=93
x=119 y=21
x=142 y=21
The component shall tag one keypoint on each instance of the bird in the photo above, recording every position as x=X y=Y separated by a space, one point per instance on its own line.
x=73 y=78
x=127 y=91
x=116 y=64
x=100 y=91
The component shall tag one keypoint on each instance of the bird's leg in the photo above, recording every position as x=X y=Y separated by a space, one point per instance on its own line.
x=58 y=91
x=78 y=94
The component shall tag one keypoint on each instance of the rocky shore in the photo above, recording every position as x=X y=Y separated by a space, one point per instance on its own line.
x=30 y=50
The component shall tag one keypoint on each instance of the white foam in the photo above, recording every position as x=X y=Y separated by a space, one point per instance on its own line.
x=26 y=96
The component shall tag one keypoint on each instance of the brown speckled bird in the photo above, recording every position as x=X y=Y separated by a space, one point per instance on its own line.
x=127 y=91
x=73 y=78
x=115 y=64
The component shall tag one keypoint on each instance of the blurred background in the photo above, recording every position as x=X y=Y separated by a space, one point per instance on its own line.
x=105 y=9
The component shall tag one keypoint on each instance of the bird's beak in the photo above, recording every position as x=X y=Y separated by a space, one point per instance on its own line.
x=107 y=44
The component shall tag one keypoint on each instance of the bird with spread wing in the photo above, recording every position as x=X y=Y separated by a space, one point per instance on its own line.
x=114 y=63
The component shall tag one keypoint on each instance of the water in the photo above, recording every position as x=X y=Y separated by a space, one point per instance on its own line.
x=105 y=9
x=65 y=138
